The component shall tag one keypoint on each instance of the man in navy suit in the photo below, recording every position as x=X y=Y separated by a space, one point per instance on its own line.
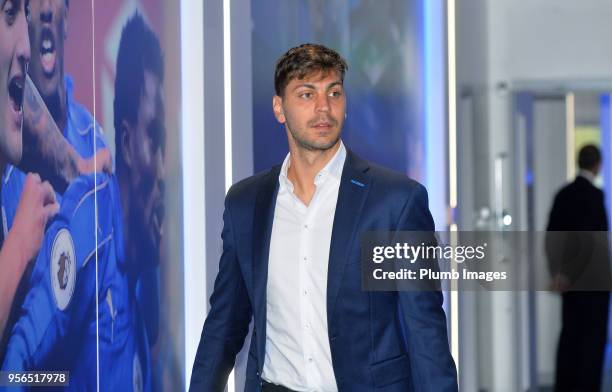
x=291 y=261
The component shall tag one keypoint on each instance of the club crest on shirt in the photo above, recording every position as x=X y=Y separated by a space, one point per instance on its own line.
x=62 y=274
x=63 y=268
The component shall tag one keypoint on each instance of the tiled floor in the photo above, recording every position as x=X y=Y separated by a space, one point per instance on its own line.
x=606 y=385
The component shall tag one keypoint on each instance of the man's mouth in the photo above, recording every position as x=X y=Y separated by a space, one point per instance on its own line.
x=15 y=90
x=47 y=52
x=323 y=123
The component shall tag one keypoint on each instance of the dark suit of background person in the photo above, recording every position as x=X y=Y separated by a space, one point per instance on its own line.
x=582 y=263
x=383 y=341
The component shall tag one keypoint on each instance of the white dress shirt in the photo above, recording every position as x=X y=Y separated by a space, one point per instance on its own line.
x=297 y=342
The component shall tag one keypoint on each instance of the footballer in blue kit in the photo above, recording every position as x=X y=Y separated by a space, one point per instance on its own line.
x=59 y=135
x=57 y=327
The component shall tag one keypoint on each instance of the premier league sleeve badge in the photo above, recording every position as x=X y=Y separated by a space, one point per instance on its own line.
x=63 y=268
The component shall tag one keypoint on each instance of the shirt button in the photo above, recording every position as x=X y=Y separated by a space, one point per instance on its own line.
x=309 y=359
x=306 y=226
x=305 y=258
x=305 y=292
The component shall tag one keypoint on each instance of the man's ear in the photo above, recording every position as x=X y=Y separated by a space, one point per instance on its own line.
x=277 y=107
x=126 y=140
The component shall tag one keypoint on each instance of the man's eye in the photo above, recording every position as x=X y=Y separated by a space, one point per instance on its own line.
x=157 y=135
x=306 y=95
x=10 y=12
x=335 y=94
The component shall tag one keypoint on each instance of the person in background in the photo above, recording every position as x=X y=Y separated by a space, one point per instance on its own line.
x=577 y=249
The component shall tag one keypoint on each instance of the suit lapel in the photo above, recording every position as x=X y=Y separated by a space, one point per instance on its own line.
x=354 y=186
x=262 y=232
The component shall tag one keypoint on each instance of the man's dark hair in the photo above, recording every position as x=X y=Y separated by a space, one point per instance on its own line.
x=589 y=157
x=139 y=51
x=304 y=60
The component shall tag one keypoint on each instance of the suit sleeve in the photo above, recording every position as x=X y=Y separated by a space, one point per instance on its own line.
x=227 y=322
x=422 y=315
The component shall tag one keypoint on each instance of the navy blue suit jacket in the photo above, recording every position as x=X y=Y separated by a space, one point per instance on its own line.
x=380 y=341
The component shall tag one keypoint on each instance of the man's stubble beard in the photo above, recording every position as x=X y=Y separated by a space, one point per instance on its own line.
x=307 y=145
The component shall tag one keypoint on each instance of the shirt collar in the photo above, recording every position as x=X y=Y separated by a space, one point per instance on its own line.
x=587 y=174
x=334 y=167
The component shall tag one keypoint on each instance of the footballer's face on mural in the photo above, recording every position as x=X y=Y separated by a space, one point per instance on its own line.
x=48 y=30
x=14 y=57
x=147 y=186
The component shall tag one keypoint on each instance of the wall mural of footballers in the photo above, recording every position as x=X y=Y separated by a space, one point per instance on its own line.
x=92 y=293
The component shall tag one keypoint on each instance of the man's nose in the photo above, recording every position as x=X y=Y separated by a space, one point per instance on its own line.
x=322 y=103
x=23 y=45
x=46 y=11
